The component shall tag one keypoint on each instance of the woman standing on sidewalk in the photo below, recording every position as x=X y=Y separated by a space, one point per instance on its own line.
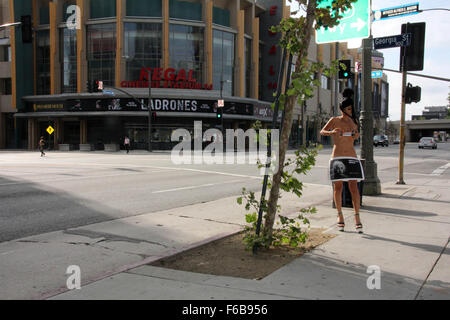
x=344 y=164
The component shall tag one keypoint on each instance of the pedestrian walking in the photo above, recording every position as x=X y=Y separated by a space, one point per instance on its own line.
x=344 y=163
x=126 y=143
x=41 y=146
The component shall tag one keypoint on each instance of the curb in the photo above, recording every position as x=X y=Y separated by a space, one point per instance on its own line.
x=146 y=261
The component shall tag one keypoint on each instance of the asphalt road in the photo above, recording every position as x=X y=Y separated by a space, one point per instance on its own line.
x=67 y=190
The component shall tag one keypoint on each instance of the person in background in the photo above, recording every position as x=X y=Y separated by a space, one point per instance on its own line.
x=41 y=146
x=126 y=143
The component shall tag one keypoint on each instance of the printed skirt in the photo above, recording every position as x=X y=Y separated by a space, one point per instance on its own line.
x=346 y=169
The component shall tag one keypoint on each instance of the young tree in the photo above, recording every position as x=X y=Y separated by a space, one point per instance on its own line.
x=296 y=35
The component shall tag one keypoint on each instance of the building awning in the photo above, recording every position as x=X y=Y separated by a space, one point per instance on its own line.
x=35 y=115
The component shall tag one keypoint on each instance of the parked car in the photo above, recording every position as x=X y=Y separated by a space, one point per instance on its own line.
x=380 y=140
x=397 y=141
x=427 y=142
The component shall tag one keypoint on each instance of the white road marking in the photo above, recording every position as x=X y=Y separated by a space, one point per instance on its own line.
x=197 y=187
x=441 y=170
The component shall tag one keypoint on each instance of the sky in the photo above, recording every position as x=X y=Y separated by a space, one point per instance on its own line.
x=436 y=56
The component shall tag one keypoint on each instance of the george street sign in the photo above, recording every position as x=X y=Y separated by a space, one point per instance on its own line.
x=355 y=23
x=401 y=40
x=377 y=74
x=394 y=12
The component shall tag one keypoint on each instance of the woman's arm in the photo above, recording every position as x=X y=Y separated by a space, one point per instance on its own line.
x=355 y=134
x=328 y=129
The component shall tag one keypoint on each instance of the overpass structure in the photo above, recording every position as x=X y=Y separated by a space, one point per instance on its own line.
x=415 y=129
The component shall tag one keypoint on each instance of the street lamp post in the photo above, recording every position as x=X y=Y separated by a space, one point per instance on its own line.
x=372 y=182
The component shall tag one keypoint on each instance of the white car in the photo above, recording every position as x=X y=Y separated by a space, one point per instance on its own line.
x=427 y=142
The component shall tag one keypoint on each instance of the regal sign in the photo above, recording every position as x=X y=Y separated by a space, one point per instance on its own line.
x=167 y=78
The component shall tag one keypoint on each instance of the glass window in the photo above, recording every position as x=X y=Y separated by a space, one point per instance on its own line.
x=325 y=82
x=44 y=15
x=6 y=54
x=186 y=49
x=103 y=9
x=101 y=53
x=139 y=8
x=142 y=48
x=66 y=5
x=247 y=66
x=185 y=10
x=6 y=87
x=221 y=16
x=261 y=73
x=69 y=60
x=43 y=62
x=223 y=60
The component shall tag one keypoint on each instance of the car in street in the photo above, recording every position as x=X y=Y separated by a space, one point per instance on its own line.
x=380 y=140
x=427 y=142
x=397 y=141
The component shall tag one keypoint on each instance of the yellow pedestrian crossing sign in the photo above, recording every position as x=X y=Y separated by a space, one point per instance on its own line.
x=50 y=130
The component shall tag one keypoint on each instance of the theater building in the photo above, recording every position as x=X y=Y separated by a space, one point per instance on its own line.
x=191 y=53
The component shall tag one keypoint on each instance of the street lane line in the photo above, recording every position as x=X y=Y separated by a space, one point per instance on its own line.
x=197 y=187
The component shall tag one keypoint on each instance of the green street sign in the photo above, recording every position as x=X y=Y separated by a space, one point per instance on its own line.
x=355 y=23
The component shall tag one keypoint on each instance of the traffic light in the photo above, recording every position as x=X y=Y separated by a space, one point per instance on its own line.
x=96 y=86
x=414 y=52
x=344 y=69
x=27 y=29
x=219 y=113
x=412 y=94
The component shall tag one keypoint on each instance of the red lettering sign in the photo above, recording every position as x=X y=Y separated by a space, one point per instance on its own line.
x=271 y=71
x=169 y=75
x=273 y=50
x=156 y=75
x=273 y=10
x=272 y=33
x=167 y=78
x=272 y=85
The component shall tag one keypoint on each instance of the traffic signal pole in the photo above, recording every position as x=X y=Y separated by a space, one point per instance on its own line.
x=401 y=157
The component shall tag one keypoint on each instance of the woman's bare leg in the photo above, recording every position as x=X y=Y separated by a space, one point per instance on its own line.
x=338 y=185
x=353 y=186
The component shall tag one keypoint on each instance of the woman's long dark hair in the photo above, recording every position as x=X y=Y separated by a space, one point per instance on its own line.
x=349 y=102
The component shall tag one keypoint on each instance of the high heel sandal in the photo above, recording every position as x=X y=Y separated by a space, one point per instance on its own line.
x=341 y=225
x=358 y=226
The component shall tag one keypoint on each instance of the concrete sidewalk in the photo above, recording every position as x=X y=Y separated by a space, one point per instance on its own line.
x=406 y=236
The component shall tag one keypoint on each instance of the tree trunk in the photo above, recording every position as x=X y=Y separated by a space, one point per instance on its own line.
x=287 y=125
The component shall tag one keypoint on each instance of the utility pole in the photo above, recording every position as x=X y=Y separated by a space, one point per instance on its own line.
x=372 y=182
x=336 y=81
x=401 y=158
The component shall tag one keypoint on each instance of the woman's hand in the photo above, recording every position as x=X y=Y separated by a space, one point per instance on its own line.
x=336 y=131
